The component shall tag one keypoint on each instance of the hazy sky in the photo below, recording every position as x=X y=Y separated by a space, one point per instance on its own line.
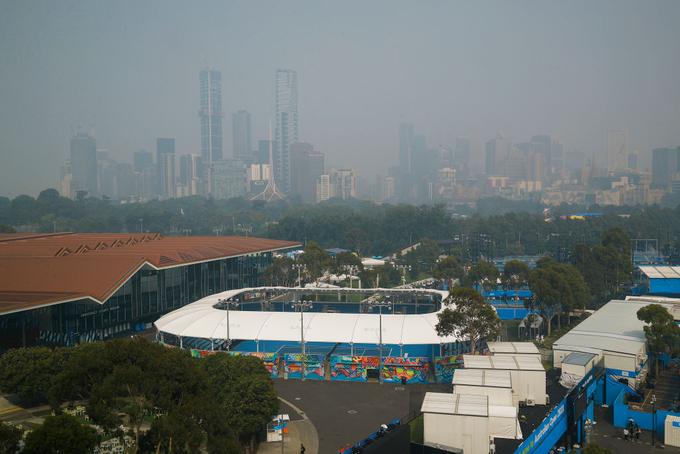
x=572 y=69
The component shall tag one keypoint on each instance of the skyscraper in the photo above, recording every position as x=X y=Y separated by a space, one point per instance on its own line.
x=286 y=125
x=496 y=152
x=241 y=132
x=165 y=162
x=210 y=114
x=83 y=164
x=617 y=150
x=306 y=165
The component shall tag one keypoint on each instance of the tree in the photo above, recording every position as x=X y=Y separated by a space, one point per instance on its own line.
x=10 y=437
x=61 y=434
x=466 y=313
x=242 y=386
x=663 y=335
x=30 y=372
x=448 y=269
x=315 y=259
x=280 y=272
x=515 y=274
x=485 y=274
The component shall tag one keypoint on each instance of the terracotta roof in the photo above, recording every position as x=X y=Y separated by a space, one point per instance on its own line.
x=43 y=270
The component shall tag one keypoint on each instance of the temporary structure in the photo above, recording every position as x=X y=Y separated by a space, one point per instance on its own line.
x=514 y=349
x=527 y=375
x=495 y=384
x=454 y=421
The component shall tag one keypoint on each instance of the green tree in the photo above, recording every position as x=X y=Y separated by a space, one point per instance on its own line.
x=30 y=372
x=466 y=313
x=663 y=335
x=515 y=274
x=280 y=272
x=242 y=385
x=485 y=274
x=10 y=436
x=59 y=435
x=448 y=269
x=315 y=259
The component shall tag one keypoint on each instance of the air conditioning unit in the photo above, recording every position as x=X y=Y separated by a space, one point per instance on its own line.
x=531 y=403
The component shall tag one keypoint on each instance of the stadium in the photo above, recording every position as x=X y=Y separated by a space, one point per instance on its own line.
x=322 y=333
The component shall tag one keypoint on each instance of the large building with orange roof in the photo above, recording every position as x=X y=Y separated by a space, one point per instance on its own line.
x=65 y=288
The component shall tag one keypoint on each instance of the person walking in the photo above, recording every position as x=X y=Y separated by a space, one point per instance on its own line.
x=302 y=449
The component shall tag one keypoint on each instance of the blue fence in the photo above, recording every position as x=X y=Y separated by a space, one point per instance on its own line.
x=622 y=413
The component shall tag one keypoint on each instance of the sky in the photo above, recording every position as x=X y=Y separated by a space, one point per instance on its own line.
x=129 y=71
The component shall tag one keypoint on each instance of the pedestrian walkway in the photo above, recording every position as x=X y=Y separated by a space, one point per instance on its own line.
x=301 y=430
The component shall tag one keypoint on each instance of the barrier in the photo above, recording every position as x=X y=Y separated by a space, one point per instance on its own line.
x=314 y=369
x=408 y=370
x=444 y=366
x=546 y=435
x=622 y=413
x=352 y=368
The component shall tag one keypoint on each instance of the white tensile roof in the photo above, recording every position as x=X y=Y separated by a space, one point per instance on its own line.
x=201 y=319
x=513 y=347
x=482 y=377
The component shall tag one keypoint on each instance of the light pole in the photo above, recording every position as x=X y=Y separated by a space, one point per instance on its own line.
x=653 y=402
x=403 y=269
x=229 y=303
x=300 y=267
x=351 y=270
x=380 y=305
x=302 y=305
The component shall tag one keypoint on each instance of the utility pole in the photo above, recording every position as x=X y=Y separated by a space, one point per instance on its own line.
x=380 y=305
x=229 y=303
x=302 y=305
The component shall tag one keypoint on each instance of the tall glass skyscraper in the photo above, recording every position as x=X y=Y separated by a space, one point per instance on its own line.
x=286 y=126
x=210 y=114
x=241 y=132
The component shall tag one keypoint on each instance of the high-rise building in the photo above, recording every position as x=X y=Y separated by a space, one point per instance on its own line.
x=189 y=175
x=146 y=174
x=617 y=150
x=405 y=148
x=229 y=178
x=210 y=114
x=127 y=182
x=286 y=126
x=262 y=154
x=83 y=165
x=165 y=167
x=107 y=175
x=242 y=136
x=496 y=151
x=306 y=165
x=323 y=188
x=142 y=160
x=665 y=167
x=65 y=181
x=340 y=184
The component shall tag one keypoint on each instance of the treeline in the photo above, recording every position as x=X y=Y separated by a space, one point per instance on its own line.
x=165 y=400
x=497 y=228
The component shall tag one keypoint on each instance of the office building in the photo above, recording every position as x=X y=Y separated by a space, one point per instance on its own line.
x=665 y=167
x=306 y=166
x=83 y=165
x=242 y=136
x=617 y=150
x=323 y=188
x=210 y=114
x=165 y=167
x=189 y=175
x=68 y=288
x=229 y=179
x=286 y=126
x=496 y=151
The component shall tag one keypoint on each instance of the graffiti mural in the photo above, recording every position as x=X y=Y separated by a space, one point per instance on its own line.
x=314 y=367
x=444 y=366
x=406 y=370
x=352 y=368
x=269 y=360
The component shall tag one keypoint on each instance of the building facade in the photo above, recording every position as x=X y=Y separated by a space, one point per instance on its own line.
x=286 y=126
x=84 y=164
x=210 y=114
x=62 y=289
x=242 y=135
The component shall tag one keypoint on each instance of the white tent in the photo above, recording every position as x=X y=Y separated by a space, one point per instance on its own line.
x=455 y=421
x=514 y=349
x=495 y=384
x=527 y=374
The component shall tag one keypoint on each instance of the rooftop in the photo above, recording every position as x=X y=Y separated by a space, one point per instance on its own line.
x=578 y=358
x=42 y=269
x=456 y=404
x=614 y=327
x=520 y=362
x=482 y=377
x=513 y=347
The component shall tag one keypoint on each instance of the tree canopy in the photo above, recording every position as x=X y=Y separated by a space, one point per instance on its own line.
x=466 y=313
x=663 y=335
x=61 y=434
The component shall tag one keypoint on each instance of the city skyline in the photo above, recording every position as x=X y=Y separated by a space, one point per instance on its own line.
x=141 y=84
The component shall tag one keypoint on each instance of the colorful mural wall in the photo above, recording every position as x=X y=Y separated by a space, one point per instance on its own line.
x=444 y=367
x=314 y=368
x=270 y=360
x=409 y=370
x=352 y=368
